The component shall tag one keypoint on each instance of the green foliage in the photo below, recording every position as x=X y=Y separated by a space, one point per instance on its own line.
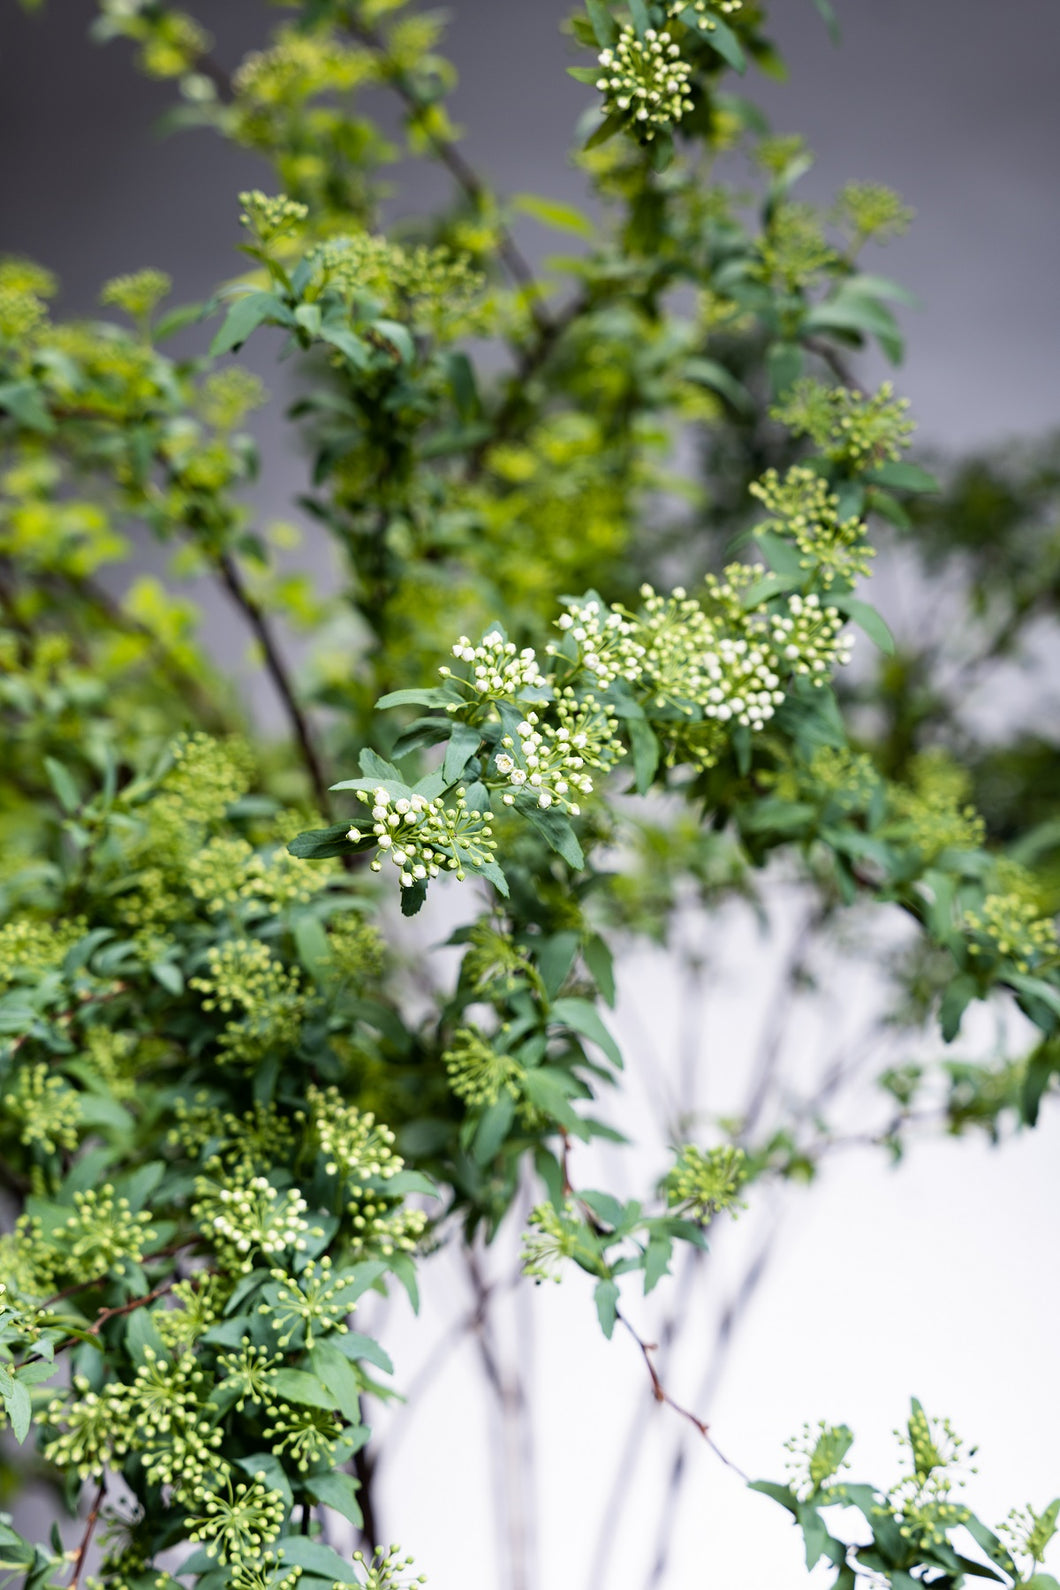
x=230 y=1108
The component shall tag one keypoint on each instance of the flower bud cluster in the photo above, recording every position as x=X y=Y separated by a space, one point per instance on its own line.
x=794 y=252
x=229 y=872
x=478 y=1072
x=690 y=661
x=923 y=1498
x=550 y=760
x=386 y=1569
x=351 y=1140
x=29 y=948
x=309 y=1306
x=700 y=1184
x=307 y=1435
x=809 y=639
x=419 y=285
x=1011 y=926
x=645 y=80
x=173 y=1427
x=92 y=1429
x=805 y=511
x=102 y=1235
x=138 y=294
x=606 y=641
x=868 y=210
x=553 y=1236
x=237 y=1521
x=244 y=975
x=269 y=218
x=703 y=9
x=248 y=1372
x=249 y=1217
x=43 y=1109
x=496 y=670
x=935 y=814
x=817 y=1456
x=846 y=426
x=423 y=837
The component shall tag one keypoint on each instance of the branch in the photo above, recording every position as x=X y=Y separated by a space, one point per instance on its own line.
x=463 y=174
x=277 y=670
x=660 y=1393
x=835 y=362
x=90 y=1524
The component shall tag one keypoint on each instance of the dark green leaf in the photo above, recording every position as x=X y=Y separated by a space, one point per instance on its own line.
x=605 y=1296
x=245 y=315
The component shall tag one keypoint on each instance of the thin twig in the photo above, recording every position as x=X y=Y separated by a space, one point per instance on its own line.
x=90 y=1524
x=462 y=172
x=660 y=1393
x=277 y=670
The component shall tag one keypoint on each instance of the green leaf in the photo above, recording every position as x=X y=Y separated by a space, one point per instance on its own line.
x=656 y=1261
x=555 y=957
x=18 y=1406
x=955 y=1002
x=339 y=1492
x=362 y=1349
x=605 y=1296
x=317 y=1558
x=493 y=1128
x=294 y=1385
x=318 y=844
x=555 y=830
x=708 y=372
x=901 y=476
x=550 y=212
x=784 y=364
x=433 y=696
x=337 y=1375
x=828 y=16
x=62 y=782
x=778 y=1493
x=584 y=1019
x=169 y=975
x=867 y=618
x=601 y=966
x=245 y=315
x=723 y=39
x=604 y=24
x=608 y=128
x=463 y=743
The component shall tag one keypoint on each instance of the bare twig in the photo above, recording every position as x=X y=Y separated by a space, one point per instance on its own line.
x=252 y=610
x=660 y=1393
x=86 y=1538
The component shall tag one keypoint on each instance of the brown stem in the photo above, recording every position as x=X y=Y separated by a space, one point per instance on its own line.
x=835 y=362
x=277 y=670
x=462 y=172
x=90 y=1524
x=660 y=1393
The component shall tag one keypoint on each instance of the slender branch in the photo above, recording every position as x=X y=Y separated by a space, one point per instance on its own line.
x=277 y=670
x=660 y=1393
x=835 y=362
x=462 y=172
x=90 y=1524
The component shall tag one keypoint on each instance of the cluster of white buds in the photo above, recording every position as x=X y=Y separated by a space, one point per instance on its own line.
x=423 y=837
x=550 y=761
x=497 y=669
x=645 y=80
x=250 y=1216
x=606 y=641
x=810 y=639
x=702 y=9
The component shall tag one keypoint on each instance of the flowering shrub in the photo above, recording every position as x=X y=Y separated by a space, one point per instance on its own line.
x=232 y=1114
